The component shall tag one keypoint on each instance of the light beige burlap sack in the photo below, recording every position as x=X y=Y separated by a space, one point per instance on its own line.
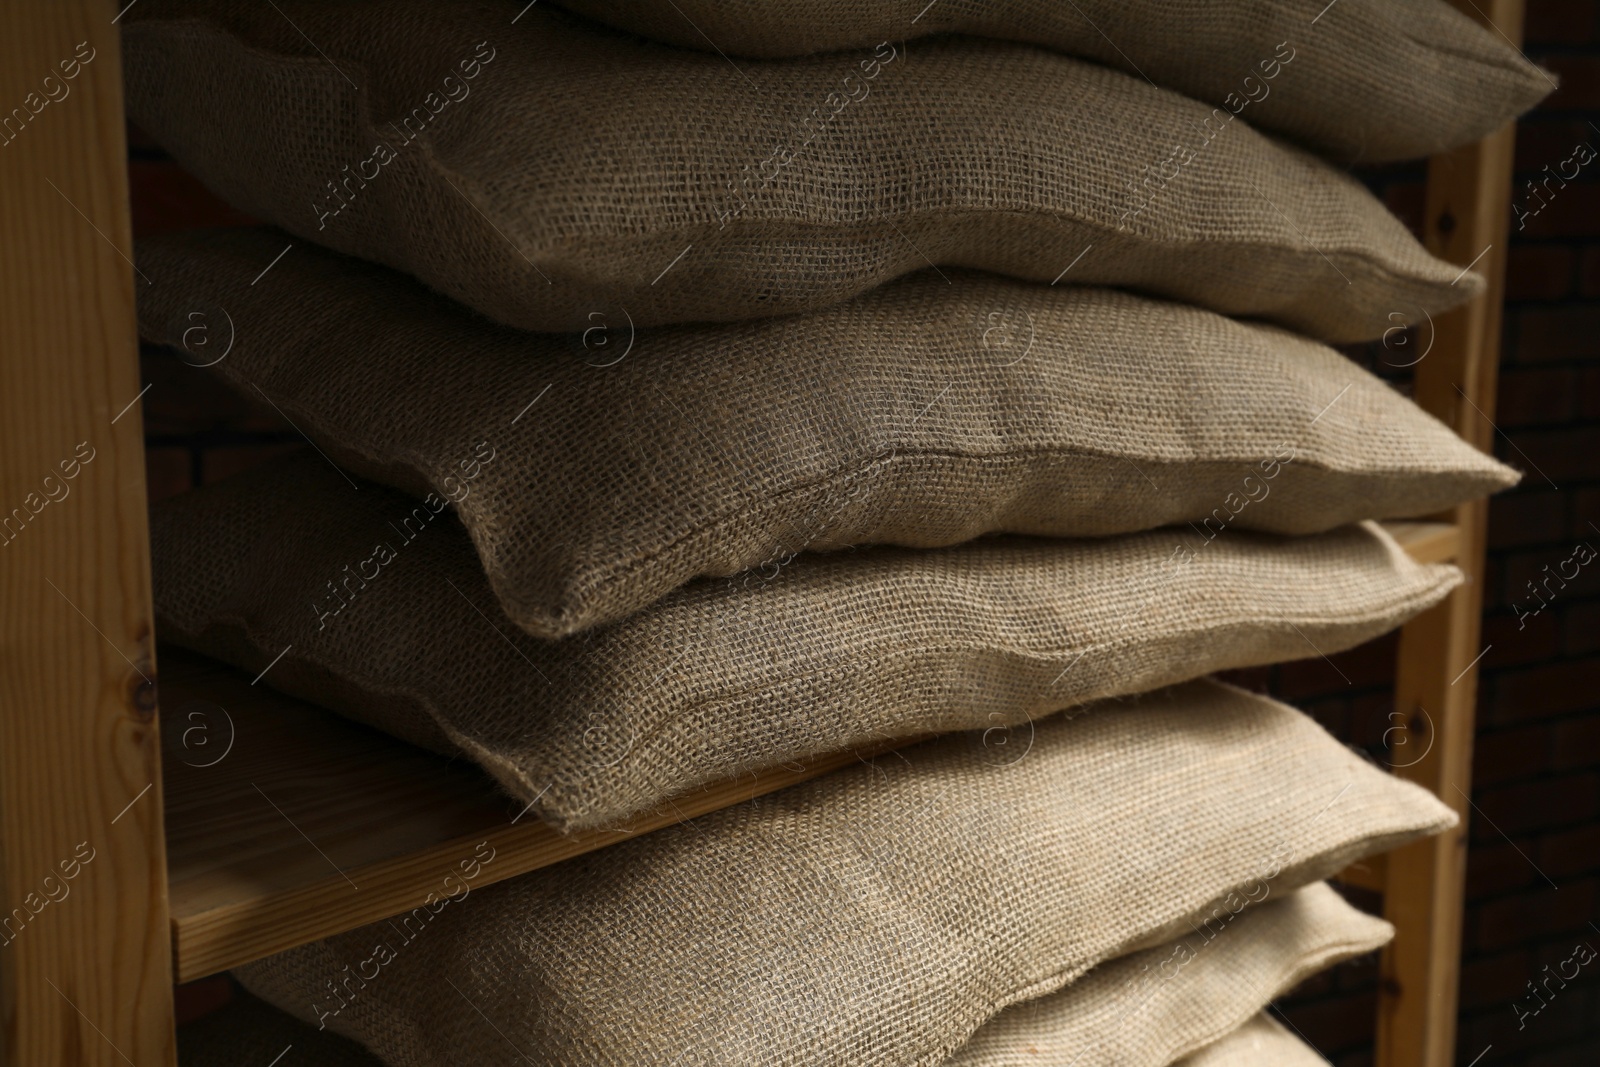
x=1154 y=1007
x=386 y=616
x=1146 y=1009
x=1366 y=80
x=919 y=414
x=1261 y=1042
x=875 y=916
x=549 y=170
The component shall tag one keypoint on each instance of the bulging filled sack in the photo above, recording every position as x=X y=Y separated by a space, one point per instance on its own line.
x=595 y=481
x=547 y=170
x=1364 y=80
x=373 y=604
x=1154 y=1007
x=1146 y=1009
x=876 y=916
x=1261 y=1042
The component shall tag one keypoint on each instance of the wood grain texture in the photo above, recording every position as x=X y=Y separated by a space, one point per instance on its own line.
x=1371 y=873
x=286 y=823
x=85 y=973
x=1467 y=217
x=1427 y=542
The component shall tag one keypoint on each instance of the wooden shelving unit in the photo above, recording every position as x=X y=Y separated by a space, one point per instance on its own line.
x=311 y=825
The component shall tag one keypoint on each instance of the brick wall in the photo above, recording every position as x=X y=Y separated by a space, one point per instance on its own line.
x=1534 y=865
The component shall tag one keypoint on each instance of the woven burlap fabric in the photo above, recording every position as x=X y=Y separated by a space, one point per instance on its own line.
x=1261 y=1042
x=875 y=916
x=583 y=171
x=1152 y=1008
x=922 y=414
x=1147 y=1009
x=386 y=616
x=1369 y=81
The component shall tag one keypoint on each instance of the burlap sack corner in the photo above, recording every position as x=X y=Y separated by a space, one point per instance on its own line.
x=878 y=915
x=553 y=169
x=595 y=480
x=387 y=618
x=1156 y=1006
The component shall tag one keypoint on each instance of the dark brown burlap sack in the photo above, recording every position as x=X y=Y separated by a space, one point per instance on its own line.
x=920 y=414
x=386 y=616
x=1261 y=1042
x=1367 y=80
x=876 y=916
x=1152 y=1008
x=551 y=169
x=1146 y=1009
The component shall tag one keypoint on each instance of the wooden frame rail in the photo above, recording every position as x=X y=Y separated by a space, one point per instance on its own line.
x=86 y=824
x=1436 y=683
x=85 y=971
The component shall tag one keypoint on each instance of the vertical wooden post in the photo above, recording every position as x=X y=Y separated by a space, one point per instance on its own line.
x=85 y=956
x=1468 y=207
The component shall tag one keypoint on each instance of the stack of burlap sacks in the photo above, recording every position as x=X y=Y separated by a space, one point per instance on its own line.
x=742 y=382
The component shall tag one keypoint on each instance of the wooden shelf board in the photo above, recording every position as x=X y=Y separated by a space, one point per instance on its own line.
x=311 y=825
x=1367 y=874
x=1427 y=542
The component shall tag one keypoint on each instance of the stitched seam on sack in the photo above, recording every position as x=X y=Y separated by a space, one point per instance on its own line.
x=1382 y=273
x=880 y=656
x=1513 y=64
x=551 y=248
x=510 y=768
x=1060 y=977
x=475 y=200
x=610 y=574
x=1326 y=954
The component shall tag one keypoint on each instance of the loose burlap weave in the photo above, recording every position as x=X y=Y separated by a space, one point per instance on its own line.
x=875 y=916
x=386 y=616
x=919 y=414
x=550 y=170
x=1154 y=1007
x=1147 y=1009
x=1261 y=1042
x=1368 y=81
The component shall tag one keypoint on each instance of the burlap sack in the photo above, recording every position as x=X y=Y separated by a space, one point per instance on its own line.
x=875 y=916
x=1261 y=1042
x=1367 y=80
x=1154 y=1007
x=386 y=616
x=1147 y=1009
x=548 y=170
x=919 y=414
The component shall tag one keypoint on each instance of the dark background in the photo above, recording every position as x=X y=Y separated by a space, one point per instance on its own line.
x=1534 y=865
x=1534 y=860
